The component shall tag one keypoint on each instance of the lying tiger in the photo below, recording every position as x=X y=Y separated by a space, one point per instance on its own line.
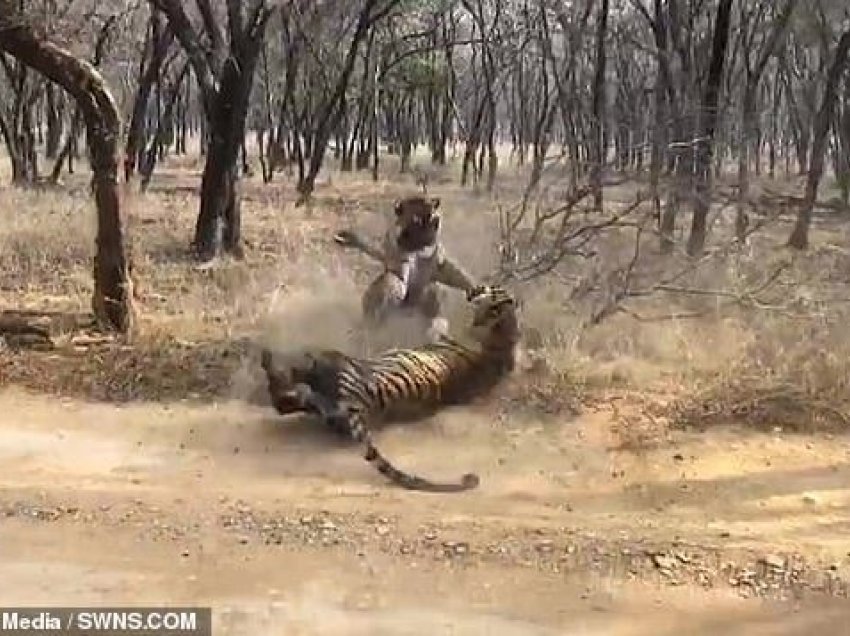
x=347 y=392
x=414 y=263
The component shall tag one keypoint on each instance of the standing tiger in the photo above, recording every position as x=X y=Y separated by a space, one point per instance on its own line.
x=414 y=263
x=347 y=392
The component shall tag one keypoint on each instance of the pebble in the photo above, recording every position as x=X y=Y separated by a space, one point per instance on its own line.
x=461 y=548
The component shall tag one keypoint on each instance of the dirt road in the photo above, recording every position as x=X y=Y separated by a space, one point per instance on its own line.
x=284 y=530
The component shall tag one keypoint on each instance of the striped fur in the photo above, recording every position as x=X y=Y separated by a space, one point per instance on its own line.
x=346 y=392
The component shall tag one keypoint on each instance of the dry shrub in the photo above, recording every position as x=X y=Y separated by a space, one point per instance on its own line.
x=794 y=376
x=746 y=336
x=296 y=290
x=622 y=352
x=157 y=366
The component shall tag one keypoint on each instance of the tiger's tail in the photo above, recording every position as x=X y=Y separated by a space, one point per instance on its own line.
x=371 y=454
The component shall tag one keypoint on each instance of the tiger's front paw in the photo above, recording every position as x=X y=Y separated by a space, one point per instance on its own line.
x=476 y=291
x=346 y=238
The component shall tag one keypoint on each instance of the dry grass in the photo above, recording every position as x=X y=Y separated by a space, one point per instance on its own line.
x=773 y=359
x=792 y=377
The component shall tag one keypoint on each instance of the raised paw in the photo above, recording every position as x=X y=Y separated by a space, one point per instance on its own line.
x=476 y=291
x=346 y=238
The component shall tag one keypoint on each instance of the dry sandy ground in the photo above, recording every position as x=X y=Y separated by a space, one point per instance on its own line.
x=284 y=530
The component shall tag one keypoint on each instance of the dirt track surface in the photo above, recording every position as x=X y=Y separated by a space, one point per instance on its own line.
x=284 y=530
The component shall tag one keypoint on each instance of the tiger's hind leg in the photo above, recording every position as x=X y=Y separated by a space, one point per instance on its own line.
x=430 y=309
x=383 y=297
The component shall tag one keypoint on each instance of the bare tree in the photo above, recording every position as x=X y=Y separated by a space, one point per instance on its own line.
x=112 y=301
x=159 y=39
x=597 y=143
x=799 y=238
x=330 y=111
x=708 y=124
x=751 y=25
x=225 y=74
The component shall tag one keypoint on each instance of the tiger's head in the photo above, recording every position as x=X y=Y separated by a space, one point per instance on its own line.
x=417 y=223
x=495 y=323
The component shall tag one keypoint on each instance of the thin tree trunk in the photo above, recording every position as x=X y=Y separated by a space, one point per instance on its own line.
x=164 y=118
x=53 y=106
x=749 y=119
x=330 y=115
x=597 y=142
x=67 y=147
x=708 y=120
x=799 y=238
x=160 y=41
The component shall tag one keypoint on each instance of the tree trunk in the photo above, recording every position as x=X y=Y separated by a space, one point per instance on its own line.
x=747 y=125
x=54 y=122
x=659 y=130
x=749 y=121
x=67 y=147
x=708 y=121
x=112 y=301
x=165 y=118
x=842 y=153
x=330 y=115
x=219 y=186
x=160 y=41
x=225 y=76
x=799 y=238
x=218 y=225
x=597 y=142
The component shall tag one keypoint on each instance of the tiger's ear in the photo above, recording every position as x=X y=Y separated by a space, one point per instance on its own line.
x=435 y=203
x=398 y=207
